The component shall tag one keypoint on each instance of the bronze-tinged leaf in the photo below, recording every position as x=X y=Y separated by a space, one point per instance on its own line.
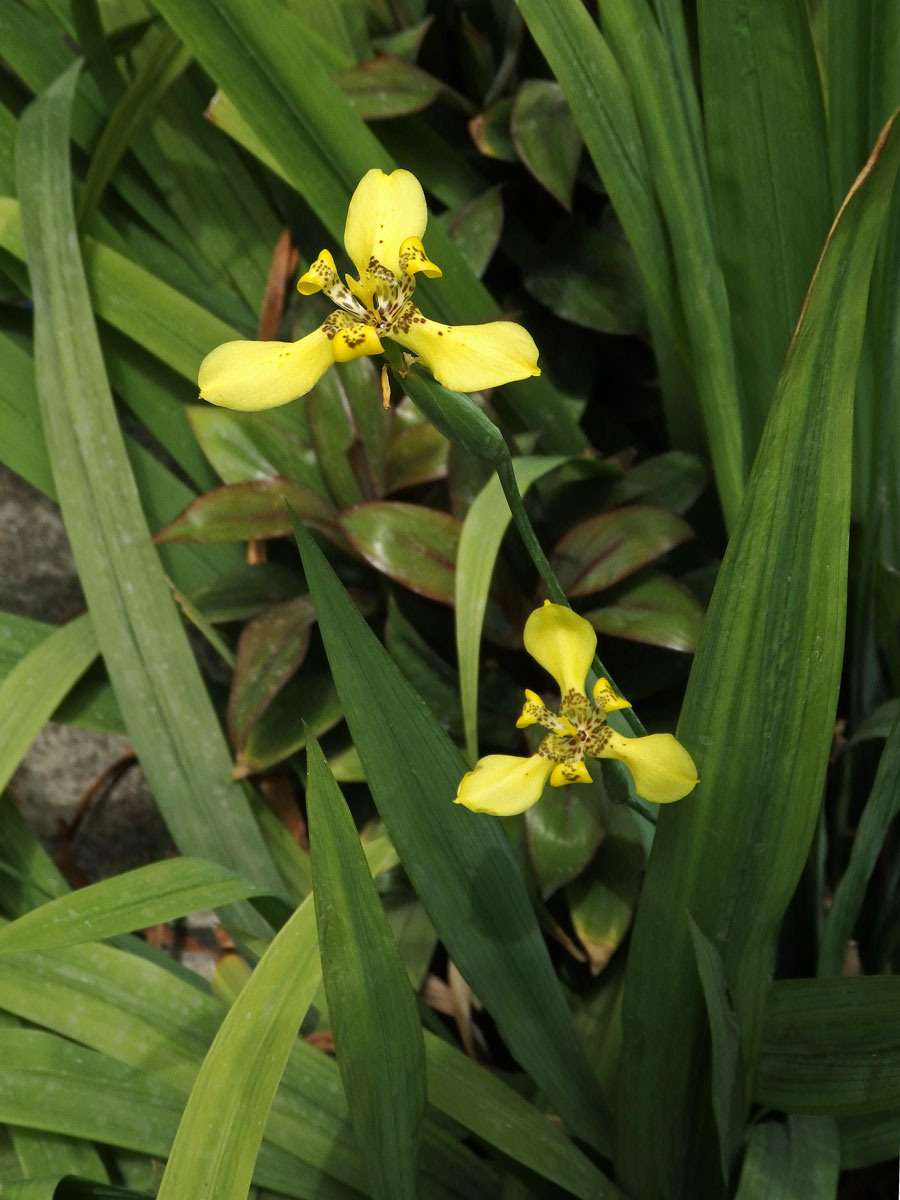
x=388 y=86
x=240 y=512
x=414 y=546
x=270 y=649
x=658 y=610
x=415 y=455
x=608 y=547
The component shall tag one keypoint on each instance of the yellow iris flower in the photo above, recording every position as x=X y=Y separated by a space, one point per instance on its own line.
x=383 y=237
x=564 y=644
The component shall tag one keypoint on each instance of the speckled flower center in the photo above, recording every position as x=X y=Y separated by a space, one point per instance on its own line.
x=380 y=301
x=578 y=730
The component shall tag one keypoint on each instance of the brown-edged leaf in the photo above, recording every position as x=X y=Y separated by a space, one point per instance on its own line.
x=413 y=545
x=608 y=547
x=240 y=512
x=271 y=648
x=657 y=610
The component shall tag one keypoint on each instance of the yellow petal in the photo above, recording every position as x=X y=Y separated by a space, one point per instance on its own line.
x=607 y=699
x=413 y=259
x=563 y=643
x=503 y=784
x=353 y=341
x=662 y=769
x=320 y=274
x=469 y=358
x=384 y=211
x=569 y=772
x=254 y=375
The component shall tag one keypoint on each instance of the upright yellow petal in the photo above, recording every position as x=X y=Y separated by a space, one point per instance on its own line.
x=563 y=643
x=503 y=784
x=384 y=211
x=469 y=358
x=662 y=769
x=254 y=375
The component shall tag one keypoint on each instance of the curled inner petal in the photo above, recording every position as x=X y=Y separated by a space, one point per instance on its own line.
x=535 y=712
x=413 y=259
x=563 y=643
x=322 y=276
x=607 y=699
x=469 y=358
x=503 y=784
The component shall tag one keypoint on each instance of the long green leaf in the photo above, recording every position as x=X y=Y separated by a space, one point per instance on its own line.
x=461 y=866
x=49 y=1083
x=880 y=810
x=765 y=132
x=480 y=1102
x=830 y=1046
x=142 y=1014
x=798 y=1158
x=37 y=684
x=377 y=1035
x=758 y=718
x=146 y=896
x=680 y=180
x=728 y=1083
x=163 y=699
x=602 y=105
x=219 y=1135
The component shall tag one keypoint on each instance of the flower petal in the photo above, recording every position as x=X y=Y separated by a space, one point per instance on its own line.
x=563 y=643
x=384 y=211
x=503 y=784
x=254 y=375
x=413 y=259
x=572 y=771
x=662 y=769
x=353 y=341
x=607 y=699
x=469 y=358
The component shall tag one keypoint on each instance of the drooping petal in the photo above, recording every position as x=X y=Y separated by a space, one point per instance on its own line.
x=503 y=784
x=563 y=643
x=469 y=358
x=662 y=769
x=384 y=211
x=254 y=375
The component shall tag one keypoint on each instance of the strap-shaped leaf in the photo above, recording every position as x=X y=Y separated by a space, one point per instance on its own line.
x=830 y=1046
x=164 y=702
x=146 y=896
x=768 y=168
x=758 y=716
x=35 y=686
x=460 y=864
x=377 y=1035
x=219 y=1136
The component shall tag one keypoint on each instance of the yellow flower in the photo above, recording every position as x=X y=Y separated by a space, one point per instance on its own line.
x=564 y=644
x=383 y=237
